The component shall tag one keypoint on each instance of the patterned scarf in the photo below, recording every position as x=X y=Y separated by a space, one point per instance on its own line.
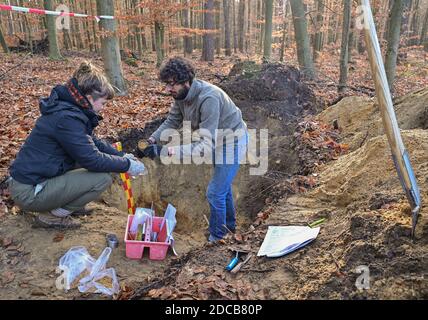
x=80 y=99
x=77 y=95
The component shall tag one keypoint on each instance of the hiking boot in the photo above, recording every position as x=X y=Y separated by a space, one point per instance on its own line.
x=48 y=220
x=82 y=212
x=212 y=239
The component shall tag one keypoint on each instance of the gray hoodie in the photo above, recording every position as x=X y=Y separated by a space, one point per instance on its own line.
x=208 y=108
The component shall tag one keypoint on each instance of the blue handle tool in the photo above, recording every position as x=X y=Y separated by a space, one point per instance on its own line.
x=233 y=262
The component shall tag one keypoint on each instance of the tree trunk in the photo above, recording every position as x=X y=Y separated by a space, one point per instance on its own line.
x=159 y=43
x=241 y=21
x=138 y=29
x=284 y=34
x=227 y=46
x=94 y=28
x=344 y=50
x=21 y=22
x=152 y=38
x=423 y=37
x=193 y=25
x=318 y=32
x=336 y=27
x=383 y=28
x=208 y=38
x=144 y=38
x=267 y=47
x=248 y=32
x=88 y=32
x=53 y=42
x=110 y=47
x=302 y=38
x=217 y=27
x=66 y=39
x=3 y=41
x=72 y=34
x=235 y=31
x=351 y=38
x=29 y=33
x=78 y=35
x=11 y=27
x=394 y=28
x=412 y=24
x=44 y=25
x=262 y=25
x=188 y=46
x=66 y=35
x=200 y=25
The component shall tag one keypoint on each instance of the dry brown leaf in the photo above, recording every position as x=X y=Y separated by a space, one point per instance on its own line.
x=7 y=242
x=238 y=237
x=58 y=237
x=166 y=294
x=156 y=293
x=7 y=277
x=201 y=269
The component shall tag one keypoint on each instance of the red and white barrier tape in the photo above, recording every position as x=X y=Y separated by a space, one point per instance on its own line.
x=53 y=13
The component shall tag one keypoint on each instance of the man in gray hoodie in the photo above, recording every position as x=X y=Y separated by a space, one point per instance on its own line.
x=222 y=133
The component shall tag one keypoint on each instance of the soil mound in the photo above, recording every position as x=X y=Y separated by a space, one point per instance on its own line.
x=368 y=223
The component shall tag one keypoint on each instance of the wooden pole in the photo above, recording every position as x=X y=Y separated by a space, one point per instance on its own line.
x=399 y=153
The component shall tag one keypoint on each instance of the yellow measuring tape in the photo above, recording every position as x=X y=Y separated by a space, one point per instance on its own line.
x=126 y=184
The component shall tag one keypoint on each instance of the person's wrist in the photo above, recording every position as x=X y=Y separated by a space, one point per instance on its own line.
x=151 y=140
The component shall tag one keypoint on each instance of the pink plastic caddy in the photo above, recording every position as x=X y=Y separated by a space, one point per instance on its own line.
x=157 y=250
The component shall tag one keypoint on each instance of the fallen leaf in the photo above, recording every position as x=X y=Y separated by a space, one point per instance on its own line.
x=7 y=277
x=200 y=270
x=238 y=237
x=166 y=294
x=58 y=237
x=7 y=242
x=155 y=293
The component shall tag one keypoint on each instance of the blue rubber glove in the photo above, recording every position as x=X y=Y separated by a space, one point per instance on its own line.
x=136 y=168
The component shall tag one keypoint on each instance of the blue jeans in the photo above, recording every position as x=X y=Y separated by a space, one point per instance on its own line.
x=219 y=191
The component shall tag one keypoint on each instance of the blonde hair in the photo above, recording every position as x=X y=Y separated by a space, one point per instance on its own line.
x=92 y=81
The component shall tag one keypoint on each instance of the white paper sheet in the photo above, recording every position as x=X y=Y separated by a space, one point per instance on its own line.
x=280 y=240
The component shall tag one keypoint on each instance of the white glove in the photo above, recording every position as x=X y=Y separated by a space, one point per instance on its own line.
x=130 y=156
x=136 y=168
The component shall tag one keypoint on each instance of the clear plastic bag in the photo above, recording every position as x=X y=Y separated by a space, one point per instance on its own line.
x=104 y=282
x=77 y=261
x=140 y=217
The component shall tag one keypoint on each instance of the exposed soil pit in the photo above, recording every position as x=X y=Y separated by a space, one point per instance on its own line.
x=368 y=223
x=279 y=103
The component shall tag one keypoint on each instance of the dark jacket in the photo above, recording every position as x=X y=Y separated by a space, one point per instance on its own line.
x=62 y=139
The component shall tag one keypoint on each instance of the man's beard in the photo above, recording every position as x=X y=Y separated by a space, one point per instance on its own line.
x=182 y=94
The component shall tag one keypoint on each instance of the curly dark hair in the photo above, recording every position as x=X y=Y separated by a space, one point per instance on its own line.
x=177 y=68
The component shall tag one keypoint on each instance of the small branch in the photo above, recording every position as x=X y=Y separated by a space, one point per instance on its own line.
x=364 y=139
x=4 y=74
x=19 y=118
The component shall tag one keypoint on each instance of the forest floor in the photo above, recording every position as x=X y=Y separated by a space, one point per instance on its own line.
x=356 y=189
